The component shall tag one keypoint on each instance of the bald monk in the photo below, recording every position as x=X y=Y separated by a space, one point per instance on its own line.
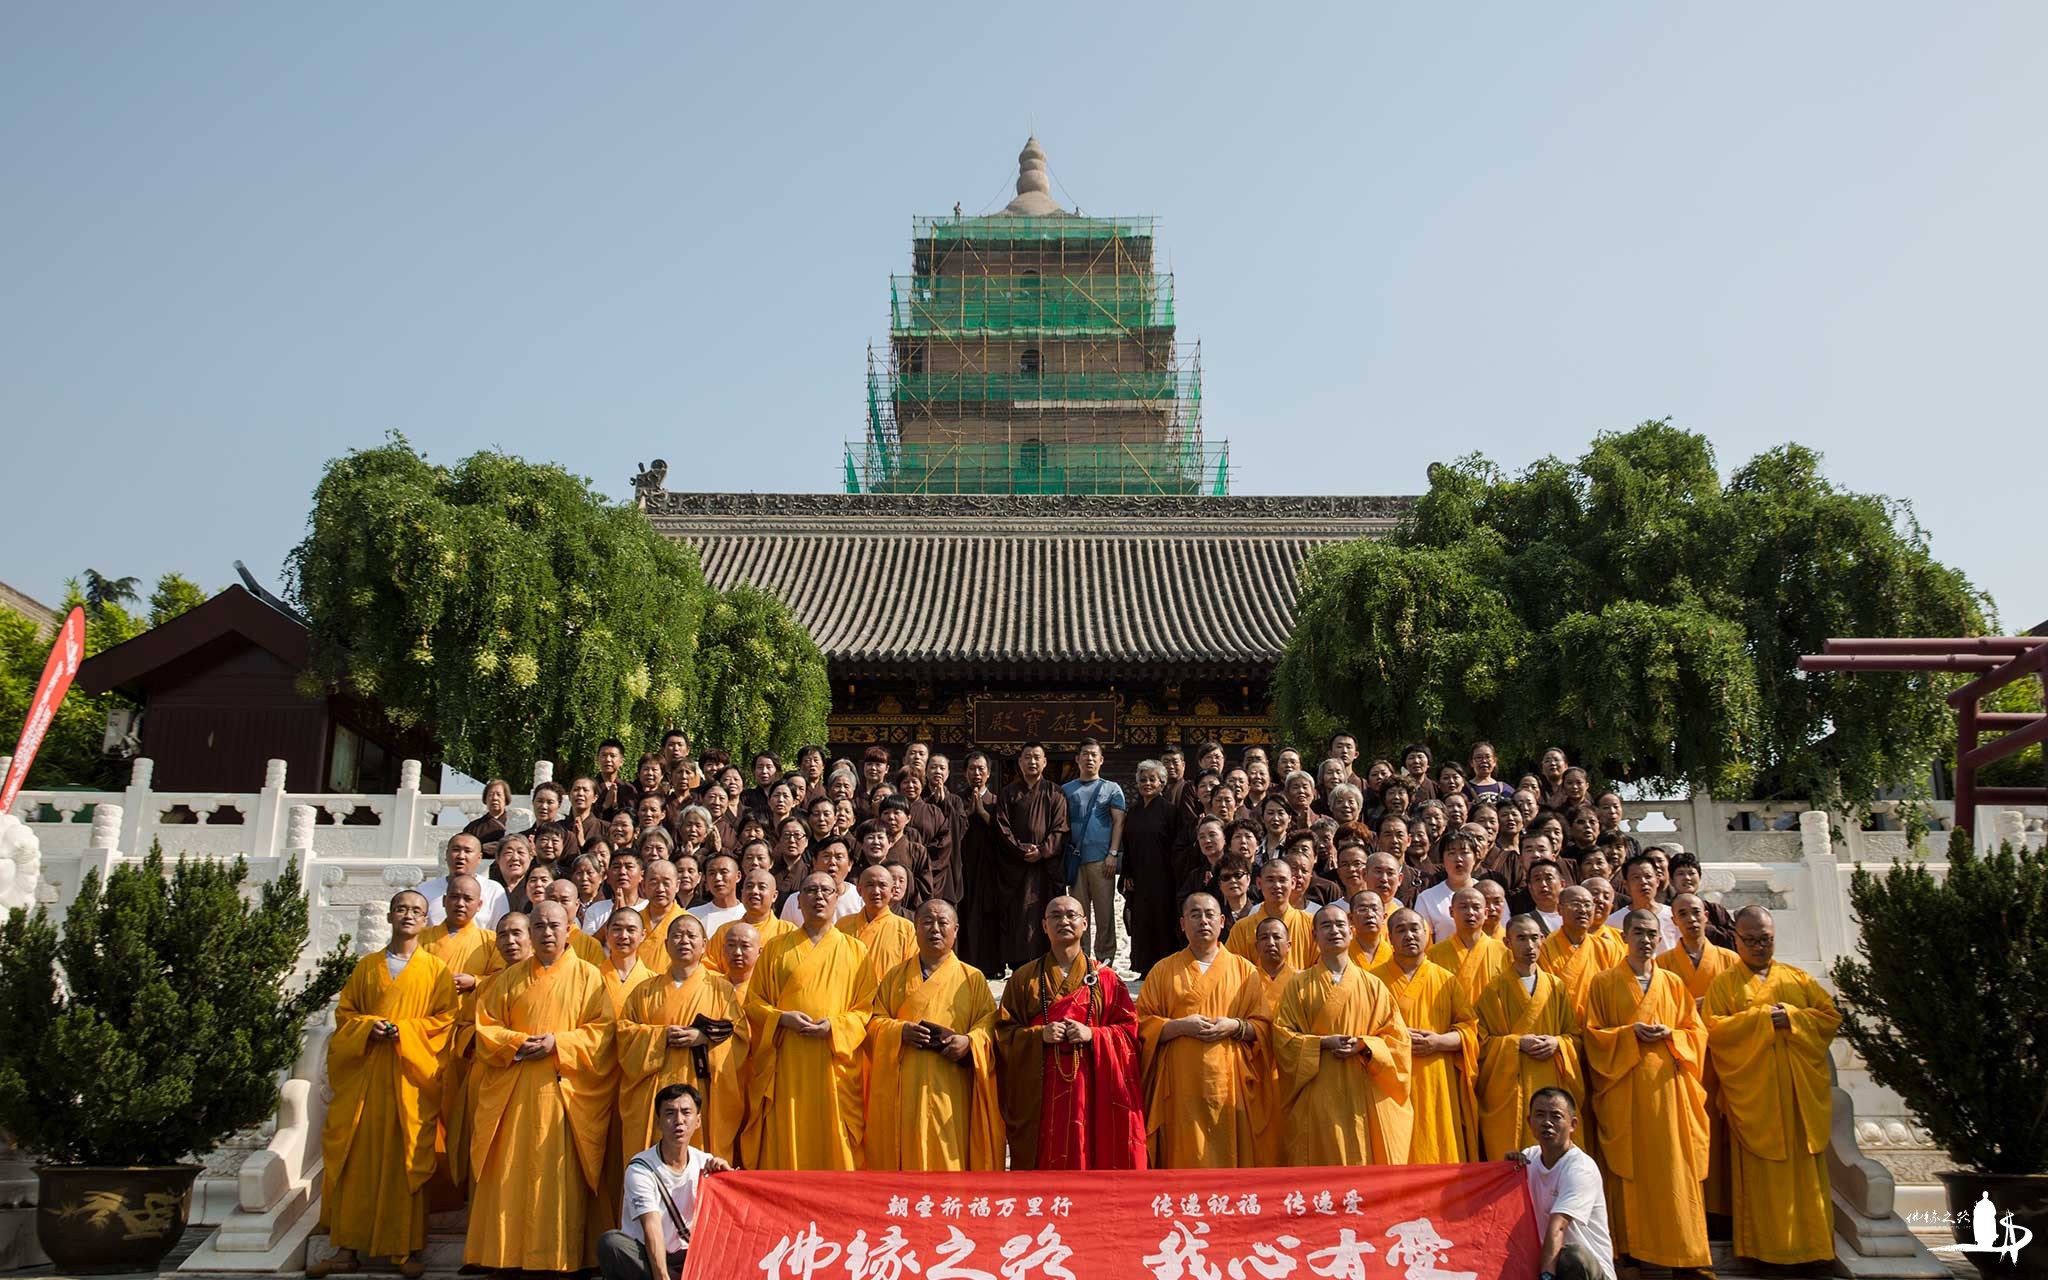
x=1343 y=1059
x=1387 y=875
x=662 y=884
x=1443 y=1046
x=1368 y=917
x=579 y=944
x=757 y=903
x=1769 y=1026
x=1528 y=1041
x=889 y=938
x=1469 y=952
x=545 y=1090
x=1645 y=1046
x=383 y=1063
x=741 y=950
x=1273 y=947
x=808 y=1010
x=1697 y=962
x=1575 y=954
x=1276 y=885
x=1496 y=895
x=1197 y=1039
x=1072 y=1093
x=932 y=1101
x=686 y=1026
x=1605 y=919
x=624 y=933
x=471 y=953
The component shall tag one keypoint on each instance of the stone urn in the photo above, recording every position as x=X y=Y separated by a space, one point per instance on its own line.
x=93 y=1218
x=2000 y=1222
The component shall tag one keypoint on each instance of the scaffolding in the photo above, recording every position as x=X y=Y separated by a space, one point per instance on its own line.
x=1034 y=355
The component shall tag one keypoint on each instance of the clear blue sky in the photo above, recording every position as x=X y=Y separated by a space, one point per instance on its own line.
x=236 y=240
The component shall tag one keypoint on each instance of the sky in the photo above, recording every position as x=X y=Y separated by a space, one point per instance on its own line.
x=238 y=240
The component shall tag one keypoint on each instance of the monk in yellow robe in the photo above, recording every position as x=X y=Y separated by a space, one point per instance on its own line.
x=662 y=885
x=1496 y=895
x=1268 y=1120
x=1443 y=1046
x=740 y=946
x=580 y=944
x=1384 y=873
x=1575 y=954
x=932 y=1102
x=1470 y=952
x=1343 y=1058
x=1697 y=962
x=757 y=902
x=471 y=953
x=1368 y=916
x=384 y=1064
x=888 y=937
x=1645 y=1046
x=545 y=1089
x=808 y=1010
x=624 y=968
x=1603 y=928
x=1276 y=886
x=1197 y=1040
x=1528 y=1040
x=1768 y=1030
x=660 y=1044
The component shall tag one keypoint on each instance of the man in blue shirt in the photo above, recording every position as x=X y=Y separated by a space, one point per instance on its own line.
x=1095 y=838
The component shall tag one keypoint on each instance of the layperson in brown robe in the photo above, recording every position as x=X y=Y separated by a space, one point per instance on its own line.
x=932 y=824
x=980 y=934
x=1028 y=870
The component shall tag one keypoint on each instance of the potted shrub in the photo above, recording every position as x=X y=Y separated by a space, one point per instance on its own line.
x=1947 y=1001
x=158 y=1025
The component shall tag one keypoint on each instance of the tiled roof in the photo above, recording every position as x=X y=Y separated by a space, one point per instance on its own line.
x=1034 y=583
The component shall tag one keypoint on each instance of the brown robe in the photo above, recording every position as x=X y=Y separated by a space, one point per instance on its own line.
x=1027 y=815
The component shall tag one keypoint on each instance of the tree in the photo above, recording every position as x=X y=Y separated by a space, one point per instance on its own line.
x=102 y=591
x=512 y=611
x=70 y=754
x=175 y=593
x=1944 y=999
x=172 y=1021
x=761 y=682
x=1632 y=609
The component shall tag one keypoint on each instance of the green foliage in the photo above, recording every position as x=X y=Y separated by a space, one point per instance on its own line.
x=1632 y=609
x=1947 y=1000
x=70 y=755
x=761 y=682
x=172 y=1020
x=514 y=612
x=175 y=593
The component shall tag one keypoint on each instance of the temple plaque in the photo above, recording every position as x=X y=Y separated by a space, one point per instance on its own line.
x=1011 y=722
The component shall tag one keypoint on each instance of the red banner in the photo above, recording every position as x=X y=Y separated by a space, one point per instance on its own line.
x=65 y=656
x=1421 y=1222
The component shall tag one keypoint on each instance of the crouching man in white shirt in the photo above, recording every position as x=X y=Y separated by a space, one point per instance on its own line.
x=1564 y=1184
x=660 y=1200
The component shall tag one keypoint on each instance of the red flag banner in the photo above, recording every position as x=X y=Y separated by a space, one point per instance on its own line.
x=1421 y=1222
x=65 y=656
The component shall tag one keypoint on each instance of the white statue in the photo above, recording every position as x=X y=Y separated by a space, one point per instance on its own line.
x=21 y=864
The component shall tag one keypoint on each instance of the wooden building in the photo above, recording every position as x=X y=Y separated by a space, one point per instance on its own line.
x=219 y=689
x=994 y=619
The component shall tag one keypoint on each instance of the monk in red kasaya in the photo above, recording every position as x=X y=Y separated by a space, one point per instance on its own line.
x=1072 y=1093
